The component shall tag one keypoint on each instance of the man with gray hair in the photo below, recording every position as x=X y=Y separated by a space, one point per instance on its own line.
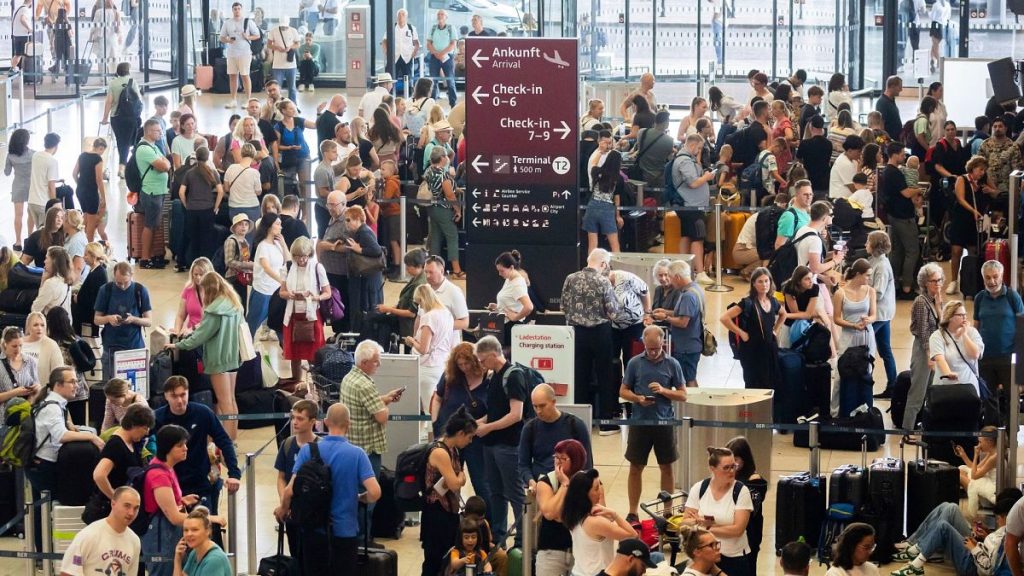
x=589 y=303
x=330 y=251
x=692 y=183
x=685 y=321
x=995 y=309
x=551 y=426
x=407 y=44
x=500 y=430
x=368 y=408
x=653 y=381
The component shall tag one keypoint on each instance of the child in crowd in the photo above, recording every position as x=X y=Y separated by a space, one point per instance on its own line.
x=476 y=509
x=175 y=128
x=726 y=178
x=978 y=474
x=119 y=398
x=783 y=157
x=238 y=257
x=862 y=197
x=911 y=173
x=468 y=549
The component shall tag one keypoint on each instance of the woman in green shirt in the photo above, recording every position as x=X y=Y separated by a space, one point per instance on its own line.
x=201 y=556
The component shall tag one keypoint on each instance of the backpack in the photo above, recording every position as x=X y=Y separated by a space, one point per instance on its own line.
x=411 y=477
x=752 y=176
x=129 y=103
x=846 y=216
x=929 y=157
x=255 y=45
x=909 y=139
x=137 y=480
x=415 y=118
x=178 y=176
x=20 y=443
x=766 y=229
x=312 y=489
x=786 y=259
x=220 y=265
x=133 y=175
x=671 y=194
x=533 y=378
x=743 y=321
x=839 y=516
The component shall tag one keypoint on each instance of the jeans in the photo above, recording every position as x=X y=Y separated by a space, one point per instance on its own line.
x=716 y=30
x=443 y=228
x=622 y=342
x=286 y=78
x=905 y=250
x=852 y=394
x=882 y=331
x=476 y=464
x=160 y=540
x=126 y=132
x=553 y=562
x=402 y=69
x=944 y=530
x=364 y=294
x=198 y=240
x=308 y=70
x=507 y=487
x=920 y=379
x=593 y=366
x=259 y=307
x=448 y=67
x=312 y=18
x=366 y=522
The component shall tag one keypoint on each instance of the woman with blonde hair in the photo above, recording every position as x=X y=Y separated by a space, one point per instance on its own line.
x=367 y=153
x=218 y=335
x=38 y=345
x=305 y=286
x=190 y=308
x=956 y=346
x=58 y=277
x=433 y=340
x=82 y=308
x=978 y=474
x=75 y=241
x=435 y=115
x=246 y=130
x=196 y=549
x=595 y=112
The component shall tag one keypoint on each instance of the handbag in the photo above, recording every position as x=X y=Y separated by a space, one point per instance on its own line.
x=635 y=172
x=332 y=309
x=302 y=330
x=279 y=564
x=82 y=356
x=290 y=54
x=246 y=348
x=709 y=344
x=360 y=265
x=423 y=193
x=989 y=403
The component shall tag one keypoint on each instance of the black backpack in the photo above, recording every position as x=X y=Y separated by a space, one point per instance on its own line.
x=312 y=490
x=133 y=175
x=411 y=475
x=766 y=229
x=137 y=480
x=785 y=260
x=257 y=45
x=129 y=103
x=755 y=525
x=533 y=378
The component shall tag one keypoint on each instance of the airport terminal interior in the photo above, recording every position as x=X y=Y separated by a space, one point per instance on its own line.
x=688 y=47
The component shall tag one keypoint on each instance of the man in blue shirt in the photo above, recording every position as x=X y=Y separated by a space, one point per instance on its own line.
x=123 y=309
x=995 y=311
x=350 y=469
x=653 y=381
x=686 y=321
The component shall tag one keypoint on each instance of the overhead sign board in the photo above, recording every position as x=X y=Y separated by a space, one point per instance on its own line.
x=522 y=149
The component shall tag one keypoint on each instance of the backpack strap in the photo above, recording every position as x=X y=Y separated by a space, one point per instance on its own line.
x=703 y=487
x=504 y=378
x=314 y=452
x=793 y=212
x=737 y=487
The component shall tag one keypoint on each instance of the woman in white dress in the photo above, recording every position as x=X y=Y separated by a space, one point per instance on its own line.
x=106 y=35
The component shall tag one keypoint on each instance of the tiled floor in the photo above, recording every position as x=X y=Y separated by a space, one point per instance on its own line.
x=165 y=286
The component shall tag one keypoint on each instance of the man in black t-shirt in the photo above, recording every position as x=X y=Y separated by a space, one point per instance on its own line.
x=500 y=432
x=899 y=206
x=811 y=109
x=329 y=119
x=291 y=226
x=815 y=152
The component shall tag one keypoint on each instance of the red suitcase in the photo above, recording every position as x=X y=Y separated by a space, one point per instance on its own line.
x=999 y=250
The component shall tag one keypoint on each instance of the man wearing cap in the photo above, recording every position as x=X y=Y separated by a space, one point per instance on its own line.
x=283 y=42
x=236 y=33
x=443 y=138
x=632 y=558
x=441 y=45
x=371 y=100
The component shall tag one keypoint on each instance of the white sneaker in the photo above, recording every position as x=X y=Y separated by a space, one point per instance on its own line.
x=703 y=278
x=231 y=105
x=310 y=88
x=952 y=288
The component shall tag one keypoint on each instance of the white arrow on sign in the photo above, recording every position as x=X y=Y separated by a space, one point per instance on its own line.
x=566 y=194
x=477 y=164
x=564 y=129
x=476 y=222
x=476 y=193
x=476 y=208
x=477 y=95
x=477 y=58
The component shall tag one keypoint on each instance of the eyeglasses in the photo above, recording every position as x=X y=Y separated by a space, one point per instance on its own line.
x=716 y=545
x=935 y=280
x=730 y=467
x=964 y=314
x=869 y=547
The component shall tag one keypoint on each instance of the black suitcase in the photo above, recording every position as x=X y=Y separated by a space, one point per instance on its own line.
x=950 y=408
x=898 y=402
x=791 y=398
x=279 y=564
x=849 y=483
x=800 y=509
x=177 y=232
x=870 y=420
x=221 y=83
x=930 y=482
x=12 y=319
x=374 y=561
x=8 y=498
x=818 y=382
x=970 y=275
x=885 y=506
x=97 y=405
x=76 y=461
x=18 y=301
x=388 y=520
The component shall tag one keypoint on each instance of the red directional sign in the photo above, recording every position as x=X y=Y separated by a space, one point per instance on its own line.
x=522 y=142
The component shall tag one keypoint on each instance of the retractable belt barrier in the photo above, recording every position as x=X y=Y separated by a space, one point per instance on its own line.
x=791 y=427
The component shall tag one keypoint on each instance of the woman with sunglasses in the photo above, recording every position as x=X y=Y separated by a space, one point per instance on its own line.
x=723 y=506
x=704 y=551
x=956 y=346
x=853 y=548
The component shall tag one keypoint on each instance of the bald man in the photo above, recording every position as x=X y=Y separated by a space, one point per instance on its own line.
x=646 y=90
x=350 y=468
x=551 y=426
x=330 y=253
x=653 y=381
x=330 y=118
x=107 y=546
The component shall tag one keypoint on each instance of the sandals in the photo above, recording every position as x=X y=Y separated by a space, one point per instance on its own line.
x=458 y=275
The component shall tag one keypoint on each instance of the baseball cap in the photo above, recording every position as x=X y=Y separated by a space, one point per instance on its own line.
x=637 y=549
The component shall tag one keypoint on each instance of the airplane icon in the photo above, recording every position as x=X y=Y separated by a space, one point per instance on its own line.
x=556 y=60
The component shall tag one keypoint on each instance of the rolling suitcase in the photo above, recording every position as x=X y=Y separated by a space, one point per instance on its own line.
x=135 y=221
x=76 y=461
x=800 y=509
x=885 y=505
x=374 y=561
x=177 y=232
x=279 y=564
x=8 y=497
x=999 y=250
x=791 y=400
x=849 y=483
x=672 y=233
x=950 y=408
x=970 y=274
x=388 y=520
x=931 y=482
x=830 y=440
x=732 y=223
x=204 y=77
x=898 y=402
x=818 y=382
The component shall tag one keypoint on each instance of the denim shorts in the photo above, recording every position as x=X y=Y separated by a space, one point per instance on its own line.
x=152 y=208
x=599 y=218
x=688 y=362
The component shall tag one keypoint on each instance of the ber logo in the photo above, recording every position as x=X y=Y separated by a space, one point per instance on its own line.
x=542 y=363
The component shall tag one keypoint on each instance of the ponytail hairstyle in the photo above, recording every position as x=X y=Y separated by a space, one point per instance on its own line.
x=690 y=537
x=860 y=266
x=715 y=455
x=202 y=514
x=7 y=261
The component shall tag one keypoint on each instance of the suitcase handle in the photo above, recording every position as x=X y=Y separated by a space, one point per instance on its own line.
x=280 y=539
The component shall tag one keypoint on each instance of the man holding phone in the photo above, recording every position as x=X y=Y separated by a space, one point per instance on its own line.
x=236 y=33
x=653 y=381
x=123 y=309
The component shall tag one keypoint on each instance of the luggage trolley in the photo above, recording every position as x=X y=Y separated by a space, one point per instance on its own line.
x=667 y=513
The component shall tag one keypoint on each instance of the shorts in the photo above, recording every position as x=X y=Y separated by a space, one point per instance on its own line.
x=691 y=224
x=37 y=213
x=688 y=362
x=599 y=218
x=239 y=64
x=935 y=31
x=19 y=43
x=152 y=208
x=393 y=228
x=644 y=438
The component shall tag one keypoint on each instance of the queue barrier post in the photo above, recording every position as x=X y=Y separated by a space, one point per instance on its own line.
x=1000 y=462
x=31 y=517
x=815 y=457
x=403 y=203
x=49 y=120
x=81 y=115
x=718 y=286
x=232 y=536
x=688 y=423
x=47 y=529
x=250 y=511
x=529 y=528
